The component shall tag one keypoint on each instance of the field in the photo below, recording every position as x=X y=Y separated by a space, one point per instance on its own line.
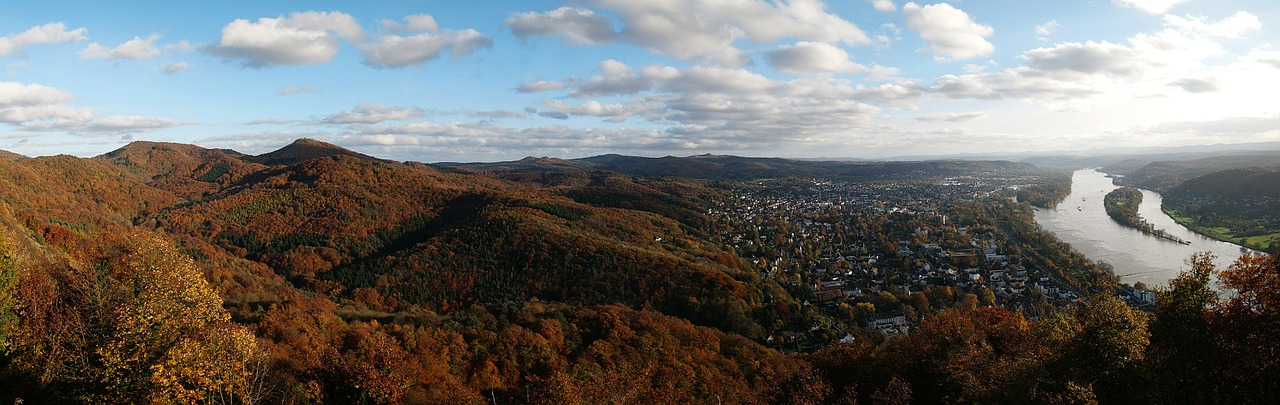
x=1258 y=242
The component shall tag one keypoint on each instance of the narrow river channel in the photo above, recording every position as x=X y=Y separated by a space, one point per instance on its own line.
x=1082 y=221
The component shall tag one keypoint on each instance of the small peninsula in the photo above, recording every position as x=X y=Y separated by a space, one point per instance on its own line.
x=1122 y=205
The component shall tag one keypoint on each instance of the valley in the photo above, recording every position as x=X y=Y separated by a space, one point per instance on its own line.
x=318 y=273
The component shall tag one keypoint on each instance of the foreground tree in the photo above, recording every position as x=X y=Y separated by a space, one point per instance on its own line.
x=1248 y=329
x=1182 y=349
x=143 y=326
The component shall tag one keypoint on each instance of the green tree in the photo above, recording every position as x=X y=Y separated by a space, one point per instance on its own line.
x=1182 y=349
x=9 y=266
x=1107 y=349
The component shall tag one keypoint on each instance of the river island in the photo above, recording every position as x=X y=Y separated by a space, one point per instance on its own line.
x=1122 y=205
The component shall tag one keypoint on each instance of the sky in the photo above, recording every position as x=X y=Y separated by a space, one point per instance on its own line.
x=495 y=80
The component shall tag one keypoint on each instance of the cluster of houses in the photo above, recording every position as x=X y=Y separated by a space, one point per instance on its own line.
x=848 y=242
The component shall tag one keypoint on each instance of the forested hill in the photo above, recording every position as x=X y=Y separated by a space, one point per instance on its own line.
x=367 y=280
x=305 y=149
x=1165 y=174
x=170 y=273
x=1237 y=205
x=734 y=168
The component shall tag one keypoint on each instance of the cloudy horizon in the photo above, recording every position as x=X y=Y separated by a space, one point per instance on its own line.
x=448 y=81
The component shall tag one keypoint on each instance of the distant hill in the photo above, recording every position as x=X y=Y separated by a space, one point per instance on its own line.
x=1242 y=183
x=7 y=155
x=305 y=149
x=1163 y=175
x=320 y=234
x=187 y=170
x=736 y=168
x=1234 y=204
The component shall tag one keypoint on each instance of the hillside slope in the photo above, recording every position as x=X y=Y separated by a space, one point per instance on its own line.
x=736 y=168
x=1237 y=205
x=305 y=149
x=1163 y=175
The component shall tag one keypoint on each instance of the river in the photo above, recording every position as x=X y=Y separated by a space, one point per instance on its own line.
x=1082 y=221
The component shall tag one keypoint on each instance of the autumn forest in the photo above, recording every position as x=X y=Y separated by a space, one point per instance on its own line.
x=171 y=273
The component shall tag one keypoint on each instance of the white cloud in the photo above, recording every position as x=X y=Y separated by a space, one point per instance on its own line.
x=951 y=117
x=485 y=141
x=1103 y=90
x=889 y=33
x=469 y=136
x=1175 y=48
x=579 y=26
x=302 y=38
x=1233 y=127
x=593 y=109
x=288 y=91
x=312 y=37
x=26 y=103
x=135 y=49
x=494 y=114
x=1263 y=57
x=37 y=108
x=123 y=124
x=342 y=24
x=1088 y=58
x=51 y=33
x=367 y=113
x=1196 y=85
x=618 y=79
x=879 y=73
x=13 y=94
x=812 y=57
x=883 y=5
x=949 y=31
x=691 y=29
x=182 y=46
x=400 y=51
x=1150 y=6
x=412 y=23
x=729 y=107
x=540 y=86
x=800 y=19
x=29 y=116
x=905 y=95
x=1230 y=27
x=1021 y=83
x=1043 y=31
x=175 y=68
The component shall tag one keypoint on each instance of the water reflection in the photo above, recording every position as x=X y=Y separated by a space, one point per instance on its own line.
x=1082 y=221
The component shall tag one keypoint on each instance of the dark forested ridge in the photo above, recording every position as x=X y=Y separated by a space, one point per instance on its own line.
x=1236 y=205
x=302 y=150
x=171 y=273
x=1165 y=174
x=734 y=168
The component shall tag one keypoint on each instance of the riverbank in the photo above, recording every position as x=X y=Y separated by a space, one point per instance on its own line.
x=1220 y=233
x=1081 y=221
x=1122 y=205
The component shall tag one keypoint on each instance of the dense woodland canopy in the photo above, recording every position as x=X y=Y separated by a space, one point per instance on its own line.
x=175 y=274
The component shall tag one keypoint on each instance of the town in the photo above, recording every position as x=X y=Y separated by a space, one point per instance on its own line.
x=884 y=254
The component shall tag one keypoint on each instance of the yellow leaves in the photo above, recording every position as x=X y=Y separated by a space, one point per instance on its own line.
x=171 y=339
x=8 y=282
x=215 y=360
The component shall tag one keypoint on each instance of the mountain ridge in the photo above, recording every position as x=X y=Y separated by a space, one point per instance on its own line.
x=303 y=149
